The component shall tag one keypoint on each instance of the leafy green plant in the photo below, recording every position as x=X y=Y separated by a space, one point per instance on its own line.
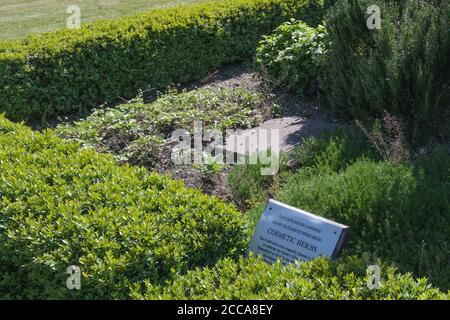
x=209 y=167
x=333 y=151
x=318 y=279
x=66 y=70
x=63 y=205
x=145 y=151
x=293 y=55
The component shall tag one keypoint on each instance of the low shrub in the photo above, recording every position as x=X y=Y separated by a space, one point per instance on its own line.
x=402 y=68
x=62 y=205
x=318 y=279
x=249 y=186
x=293 y=55
x=333 y=151
x=398 y=212
x=66 y=70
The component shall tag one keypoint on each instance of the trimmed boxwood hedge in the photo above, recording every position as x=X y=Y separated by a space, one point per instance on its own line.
x=61 y=205
x=318 y=279
x=66 y=70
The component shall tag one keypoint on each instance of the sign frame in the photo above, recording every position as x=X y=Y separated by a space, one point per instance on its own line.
x=288 y=235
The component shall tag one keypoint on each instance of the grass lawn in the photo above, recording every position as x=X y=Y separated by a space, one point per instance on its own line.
x=19 y=18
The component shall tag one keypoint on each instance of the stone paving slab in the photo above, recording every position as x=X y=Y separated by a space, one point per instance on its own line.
x=291 y=132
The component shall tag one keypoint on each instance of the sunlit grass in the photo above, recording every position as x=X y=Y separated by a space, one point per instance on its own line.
x=19 y=18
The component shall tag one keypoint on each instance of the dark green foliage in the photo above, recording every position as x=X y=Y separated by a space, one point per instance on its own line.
x=293 y=55
x=66 y=70
x=62 y=205
x=402 y=68
x=318 y=279
x=398 y=212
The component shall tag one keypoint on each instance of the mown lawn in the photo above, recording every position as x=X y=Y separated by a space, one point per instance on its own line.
x=19 y=18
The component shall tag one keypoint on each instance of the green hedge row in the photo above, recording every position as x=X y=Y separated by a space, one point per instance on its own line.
x=318 y=279
x=66 y=70
x=61 y=205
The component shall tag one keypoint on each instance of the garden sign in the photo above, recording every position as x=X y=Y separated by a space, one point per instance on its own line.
x=289 y=234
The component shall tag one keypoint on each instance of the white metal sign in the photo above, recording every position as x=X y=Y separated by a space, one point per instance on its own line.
x=289 y=234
